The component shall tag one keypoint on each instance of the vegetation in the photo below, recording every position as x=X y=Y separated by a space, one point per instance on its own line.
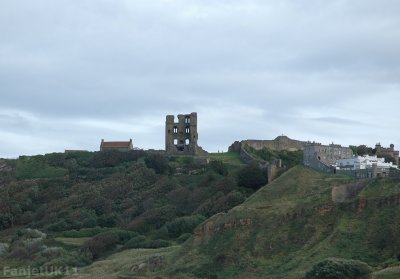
x=339 y=269
x=289 y=158
x=145 y=215
x=91 y=204
x=252 y=176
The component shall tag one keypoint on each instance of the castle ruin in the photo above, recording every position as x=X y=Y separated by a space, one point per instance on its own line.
x=181 y=137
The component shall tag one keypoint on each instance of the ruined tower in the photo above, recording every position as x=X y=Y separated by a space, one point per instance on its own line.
x=181 y=136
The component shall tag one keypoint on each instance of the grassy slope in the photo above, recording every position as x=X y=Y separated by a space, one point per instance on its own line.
x=120 y=264
x=293 y=225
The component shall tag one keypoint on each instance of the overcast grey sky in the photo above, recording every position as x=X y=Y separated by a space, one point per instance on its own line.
x=75 y=71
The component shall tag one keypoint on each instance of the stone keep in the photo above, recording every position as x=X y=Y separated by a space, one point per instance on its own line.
x=181 y=136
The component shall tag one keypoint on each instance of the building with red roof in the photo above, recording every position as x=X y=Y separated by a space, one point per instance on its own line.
x=116 y=145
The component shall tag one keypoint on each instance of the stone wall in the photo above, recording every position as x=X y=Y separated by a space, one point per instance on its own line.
x=322 y=157
x=279 y=143
x=181 y=137
x=390 y=152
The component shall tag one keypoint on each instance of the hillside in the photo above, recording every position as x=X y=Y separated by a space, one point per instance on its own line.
x=288 y=226
x=70 y=209
x=285 y=228
x=144 y=216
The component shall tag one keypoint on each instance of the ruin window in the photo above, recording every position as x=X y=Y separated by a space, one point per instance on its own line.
x=187 y=130
x=175 y=141
x=187 y=141
x=187 y=120
x=175 y=130
x=169 y=131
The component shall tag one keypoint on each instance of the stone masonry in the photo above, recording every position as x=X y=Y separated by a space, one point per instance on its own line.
x=181 y=136
x=390 y=152
x=323 y=157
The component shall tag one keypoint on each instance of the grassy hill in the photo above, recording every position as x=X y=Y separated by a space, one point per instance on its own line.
x=288 y=226
x=70 y=209
x=146 y=217
x=283 y=230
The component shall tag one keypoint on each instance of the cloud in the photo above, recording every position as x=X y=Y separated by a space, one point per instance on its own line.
x=74 y=72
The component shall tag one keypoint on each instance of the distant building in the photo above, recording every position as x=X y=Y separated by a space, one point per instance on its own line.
x=366 y=167
x=324 y=157
x=116 y=145
x=362 y=163
x=387 y=152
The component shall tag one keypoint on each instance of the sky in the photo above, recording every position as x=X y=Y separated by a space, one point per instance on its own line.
x=73 y=72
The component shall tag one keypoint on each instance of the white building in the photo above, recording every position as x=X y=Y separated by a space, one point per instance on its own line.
x=362 y=163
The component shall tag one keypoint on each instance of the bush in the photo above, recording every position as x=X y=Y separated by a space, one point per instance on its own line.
x=252 y=176
x=98 y=245
x=37 y=167
x=113 y=158
x=219 y=167
x=184 y=237
x=183 y=225
x=142 y=242
x=157 y=162
x=152 y=219
x=339 y=269
x=58 y=226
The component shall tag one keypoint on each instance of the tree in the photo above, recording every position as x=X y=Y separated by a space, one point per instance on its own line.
x=157 y=162
x=252 y=176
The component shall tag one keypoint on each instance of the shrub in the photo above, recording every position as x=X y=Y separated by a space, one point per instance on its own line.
x=335 y=268
x=37 y=167
x=152 y=219
x=252 y=176
x=112 y=158
x=58 y=226
x=184 y=237
x=98 y=245
x=219 y=167
x=142 y=242
x=183 y=225
x=157 y=162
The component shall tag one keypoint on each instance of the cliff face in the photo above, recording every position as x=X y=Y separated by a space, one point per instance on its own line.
x=298 y=220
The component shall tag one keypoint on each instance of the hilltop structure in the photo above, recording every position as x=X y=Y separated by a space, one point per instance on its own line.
x=116 y=145
x=334 y=158
x=387 y=152
x=279 y=143
x=181 y=137
x=324 y=157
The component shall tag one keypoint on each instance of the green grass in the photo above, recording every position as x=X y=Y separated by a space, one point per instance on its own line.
x=294 y=225
x=72 y=241
x=123 y=263
x=388 y=277
x=37 y=167
x=388 y=273
x=382 y=187
x=232 y=158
